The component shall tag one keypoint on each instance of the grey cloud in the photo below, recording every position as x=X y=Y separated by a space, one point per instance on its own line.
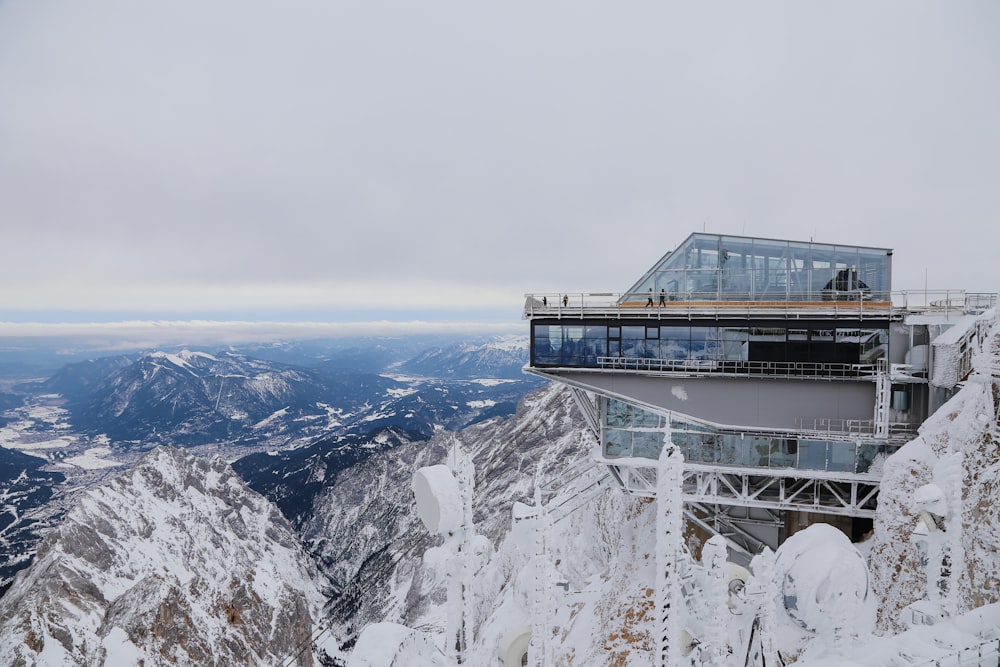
x=543 y=146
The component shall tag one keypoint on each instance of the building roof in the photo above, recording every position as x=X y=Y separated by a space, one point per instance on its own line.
x=738 y=268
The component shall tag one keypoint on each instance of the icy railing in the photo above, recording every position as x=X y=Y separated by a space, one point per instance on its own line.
x=862 y=427
x=986 y=654
x=796 y=369
x=947 y=301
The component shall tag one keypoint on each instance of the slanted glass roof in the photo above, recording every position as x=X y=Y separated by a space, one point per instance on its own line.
x=711 y=267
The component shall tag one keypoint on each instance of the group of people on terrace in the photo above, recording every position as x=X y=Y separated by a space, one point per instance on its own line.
x=663 y=298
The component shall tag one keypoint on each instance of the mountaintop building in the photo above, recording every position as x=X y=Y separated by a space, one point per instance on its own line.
x=784 y=371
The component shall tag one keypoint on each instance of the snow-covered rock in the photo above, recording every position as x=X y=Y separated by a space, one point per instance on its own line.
x=965 y=426
x=174 y=562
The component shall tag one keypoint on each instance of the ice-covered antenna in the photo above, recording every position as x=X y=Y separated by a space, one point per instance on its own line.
x=716 y=593
x=444 y=504
x=668 y=552
x=439 y=499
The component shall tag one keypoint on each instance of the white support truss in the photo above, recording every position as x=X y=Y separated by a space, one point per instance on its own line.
x=773 y=489
x=586 y=403
x=723 y=520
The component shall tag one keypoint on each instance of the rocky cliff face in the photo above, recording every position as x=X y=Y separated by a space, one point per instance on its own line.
x=175 y=562
x=365 y=528
x=965 y=427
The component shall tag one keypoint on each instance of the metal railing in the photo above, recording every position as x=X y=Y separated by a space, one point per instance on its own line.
x=986 y=654
x=862 y=427
x=740 y=368
x=640 y=304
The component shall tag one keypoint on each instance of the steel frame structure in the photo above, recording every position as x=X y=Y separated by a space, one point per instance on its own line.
x=766 y=488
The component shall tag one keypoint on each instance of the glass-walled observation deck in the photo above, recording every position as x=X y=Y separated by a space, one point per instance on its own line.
x=770 y=348
x=628 y=431
x=712 y=267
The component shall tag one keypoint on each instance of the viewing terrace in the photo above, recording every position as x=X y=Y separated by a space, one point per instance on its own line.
x=691 y=305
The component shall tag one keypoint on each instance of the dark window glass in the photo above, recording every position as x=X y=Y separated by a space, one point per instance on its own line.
x=705 y=343
x=617 y=443
x=675 y=342
x=548 y=341
x=767 y=344
x=733 y=342
x=634 y=332
x=812 y=455
x=841 y=457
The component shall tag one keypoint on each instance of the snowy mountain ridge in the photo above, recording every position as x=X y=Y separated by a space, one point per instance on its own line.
x=502 y=357
x=175 y=561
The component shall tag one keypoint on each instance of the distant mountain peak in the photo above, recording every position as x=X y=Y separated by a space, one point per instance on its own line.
x=501 y=357
x=182 y=358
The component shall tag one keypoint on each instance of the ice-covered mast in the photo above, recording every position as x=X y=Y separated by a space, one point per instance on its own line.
x=444 y=503
x=669 y=524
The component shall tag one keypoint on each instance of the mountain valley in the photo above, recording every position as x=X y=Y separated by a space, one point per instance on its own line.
x=296 y=418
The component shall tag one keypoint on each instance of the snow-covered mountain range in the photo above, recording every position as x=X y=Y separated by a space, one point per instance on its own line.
x=190 y=398
x=301 y=403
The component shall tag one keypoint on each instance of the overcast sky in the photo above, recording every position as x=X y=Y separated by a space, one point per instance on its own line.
x=364 y=159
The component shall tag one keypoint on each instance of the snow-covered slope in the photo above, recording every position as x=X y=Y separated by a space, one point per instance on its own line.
x=175 y=562
x=368 y=538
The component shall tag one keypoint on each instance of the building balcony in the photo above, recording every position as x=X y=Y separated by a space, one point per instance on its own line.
x=826 y=303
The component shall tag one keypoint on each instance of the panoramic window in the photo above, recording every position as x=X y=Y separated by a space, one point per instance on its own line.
x=663 y=347
x=631 y=431
x=708 y=267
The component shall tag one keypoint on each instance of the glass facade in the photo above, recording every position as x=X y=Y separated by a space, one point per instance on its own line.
x=630 y=431
x=711 y=267
x=769 y=347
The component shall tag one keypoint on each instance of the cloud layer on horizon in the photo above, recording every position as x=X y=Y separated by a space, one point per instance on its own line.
x=148 y=334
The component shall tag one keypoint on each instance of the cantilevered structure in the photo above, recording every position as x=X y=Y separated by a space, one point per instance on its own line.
x=784 y=372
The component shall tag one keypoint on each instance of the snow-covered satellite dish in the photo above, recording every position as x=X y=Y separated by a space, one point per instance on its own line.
x=930 y=498
x=822 y=575
x=378 y=644
x=737 y=577
x=439 y=499
x=513 y=648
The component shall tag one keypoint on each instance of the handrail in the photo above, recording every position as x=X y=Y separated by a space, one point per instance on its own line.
x=740 y=368
x=966 y=656
x=633 y=304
